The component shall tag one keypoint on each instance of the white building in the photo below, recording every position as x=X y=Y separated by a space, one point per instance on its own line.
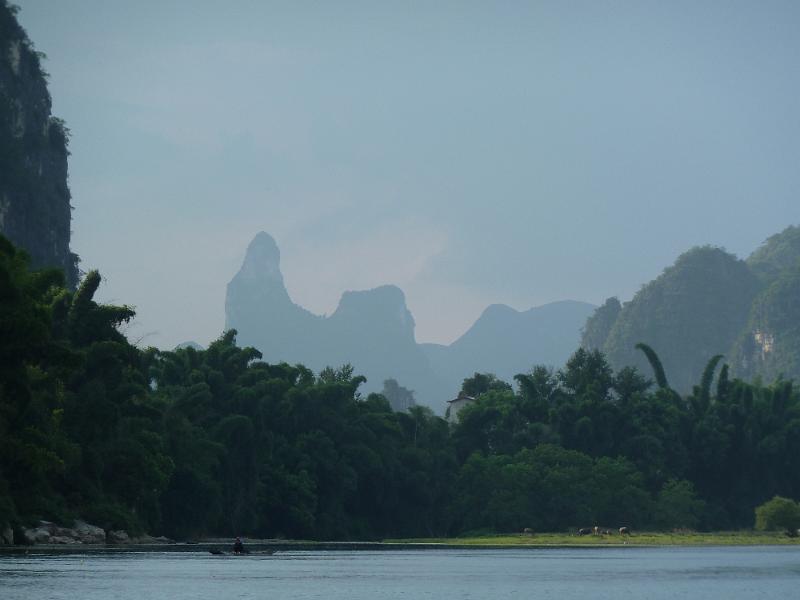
x=455 y=406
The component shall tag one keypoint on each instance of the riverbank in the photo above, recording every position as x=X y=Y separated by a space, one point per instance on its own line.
x=717 y=538
x=542 y=540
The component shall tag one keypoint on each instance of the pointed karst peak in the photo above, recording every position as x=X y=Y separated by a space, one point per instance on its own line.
x=263 y=259
x=264 y=244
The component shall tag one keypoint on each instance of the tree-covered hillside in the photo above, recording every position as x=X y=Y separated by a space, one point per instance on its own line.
x=769 y=346
x=777 y=254
x=694 y=310
x=599 y=324
x=711 y=303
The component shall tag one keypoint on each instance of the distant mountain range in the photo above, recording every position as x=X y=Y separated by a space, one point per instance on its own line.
x=374 y=331
x=710 y=302
x=505 y=342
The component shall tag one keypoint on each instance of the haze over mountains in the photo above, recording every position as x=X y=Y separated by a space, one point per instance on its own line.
x=374 y=331
x=506 y=342
x=708 y=302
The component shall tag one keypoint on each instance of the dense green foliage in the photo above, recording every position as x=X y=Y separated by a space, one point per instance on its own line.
x=195 y=442
x=777 y=254
x=770 y=346
x=599 y=325
x=779 y=513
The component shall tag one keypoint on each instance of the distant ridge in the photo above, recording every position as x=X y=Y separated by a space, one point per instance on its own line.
x=374 y=331
x=371 y=329
x=505 y=341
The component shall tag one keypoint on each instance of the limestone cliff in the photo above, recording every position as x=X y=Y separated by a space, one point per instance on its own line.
x=770 y=345
x=35 y=209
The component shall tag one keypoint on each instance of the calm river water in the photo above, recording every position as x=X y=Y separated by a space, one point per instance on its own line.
x=560 y=574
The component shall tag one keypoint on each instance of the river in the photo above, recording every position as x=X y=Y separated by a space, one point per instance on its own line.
x=553 y=573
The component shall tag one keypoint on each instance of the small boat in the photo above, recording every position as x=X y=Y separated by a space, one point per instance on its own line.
x=220 y=552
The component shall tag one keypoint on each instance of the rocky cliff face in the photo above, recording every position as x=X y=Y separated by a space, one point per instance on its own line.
x=374 y=331
x=35 y=207
x=770 y=344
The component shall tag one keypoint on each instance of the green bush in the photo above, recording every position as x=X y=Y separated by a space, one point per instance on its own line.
x=677 y=506
x=779 y=513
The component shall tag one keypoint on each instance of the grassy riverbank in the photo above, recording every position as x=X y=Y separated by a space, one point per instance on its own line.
x=554 y=540
x=718 y=538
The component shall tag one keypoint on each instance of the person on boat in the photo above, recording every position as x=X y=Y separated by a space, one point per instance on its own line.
x=238 y=546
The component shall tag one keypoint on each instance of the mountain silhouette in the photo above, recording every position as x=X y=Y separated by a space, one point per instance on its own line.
x=374 y=331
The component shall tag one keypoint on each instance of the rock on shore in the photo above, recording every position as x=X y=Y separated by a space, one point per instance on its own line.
x=50 y=533
x=81 y=532
x=118 y=537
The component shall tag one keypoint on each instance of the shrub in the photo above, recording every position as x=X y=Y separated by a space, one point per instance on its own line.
x=779 y=513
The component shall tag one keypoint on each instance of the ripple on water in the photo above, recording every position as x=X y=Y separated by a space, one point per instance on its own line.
x=564 y=574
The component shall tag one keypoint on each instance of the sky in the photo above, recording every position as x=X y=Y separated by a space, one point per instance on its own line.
x=469 y=152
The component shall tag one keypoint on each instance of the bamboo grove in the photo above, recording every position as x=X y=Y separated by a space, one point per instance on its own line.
x=198 y=442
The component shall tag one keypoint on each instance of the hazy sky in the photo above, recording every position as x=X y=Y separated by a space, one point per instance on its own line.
x=469 y=152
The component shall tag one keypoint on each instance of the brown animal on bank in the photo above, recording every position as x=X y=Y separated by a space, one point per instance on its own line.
x=624 y=531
